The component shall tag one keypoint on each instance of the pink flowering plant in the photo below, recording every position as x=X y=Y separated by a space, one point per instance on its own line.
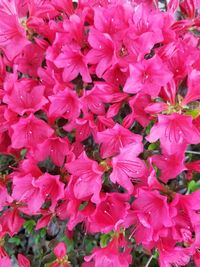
x=99 y=133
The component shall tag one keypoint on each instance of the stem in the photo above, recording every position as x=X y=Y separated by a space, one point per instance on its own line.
x=193 y=152
x=149 y=261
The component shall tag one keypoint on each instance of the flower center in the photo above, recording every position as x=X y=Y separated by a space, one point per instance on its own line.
x=123 y=51
x=29 y=32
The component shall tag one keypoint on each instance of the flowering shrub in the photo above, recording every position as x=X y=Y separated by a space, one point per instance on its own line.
x=100 y=133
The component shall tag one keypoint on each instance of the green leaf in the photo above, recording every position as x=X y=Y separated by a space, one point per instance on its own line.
x=48 y=264
x=194 y=113
x=152 y=146
x=89 y=246
x=37 y=239
x=104 y=240
x=15 y=240
x=193 y=186
x=69 y=243
x=23 y=153
x=148 y=128
x=43 y=232
x=29 y=226
x=157 y=171
x=83 y=205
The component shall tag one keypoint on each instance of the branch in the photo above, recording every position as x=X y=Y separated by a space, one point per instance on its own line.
x=149 y=261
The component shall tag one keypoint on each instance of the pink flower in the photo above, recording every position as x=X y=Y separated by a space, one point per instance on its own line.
x=88 y=264
x=147 y=20
x=187 y=212
x=153 y=215
x=77 y=211
x=73 y=62
x=169 y=165
x=173 y=5
x=168 y=92
x=102 y=52
x=137 y=104
x=23 y=261
x=60 y=251
x=149 y=180
x=4 y=196
x=93 y=100
x=176 y=62
x=51 y=188
x=158 y=107
x=25 y=96
x=56 y=148
x=11 y=221
x=88 y=178
x=87 y=85
x=175 y=256
x=127 y=166
x=113 y=139
x=188 y=7
x=30 y=193
x=8 y=7
x=64 y=103
x=175 y=131
x=5 y=261
x=111 y=256
x=43 y=9
x=74 y=27
x=110 y=213
x=191 y=167
x=197 y=258
x=45 y=219
x=84 y=127
x=148 y=77
x=193 y=92
x=27 y=166
x=115 y=76
x=30 y=131
x=112 y=20
x=64 y=5
x=12 y=36
x=110 y=93
x=30 y=59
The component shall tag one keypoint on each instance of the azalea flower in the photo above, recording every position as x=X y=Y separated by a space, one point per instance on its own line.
x=170 y=165
x=11 y=221
x=29 y=132
x=55 y=148
x=65 y=104
x=127 y=167
x=23 y=261
x=113 y=139
x=87 y=176
x=110 y=256
x=30 y=193
x=73 y=62
x=102 y=53
x=25 y=96
x=12 y=36
x=175 y=131
x=147 y=76
x=60 y=251
x=51 y=188
x=100 y=131
x=110 y=213
x=153 y=216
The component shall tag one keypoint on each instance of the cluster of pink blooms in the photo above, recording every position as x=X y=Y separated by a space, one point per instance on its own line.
x=91 y=86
